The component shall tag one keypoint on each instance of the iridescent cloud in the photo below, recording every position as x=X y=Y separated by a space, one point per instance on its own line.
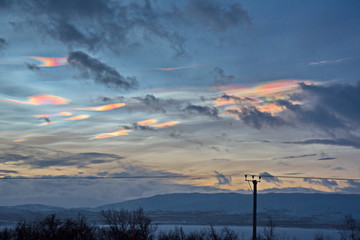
x=64 y=114
x=42 y=99
x=147 y=122
x=78 y=117
x=107 y=107
x=177 y=68
x=113 y=134
x=261 y=96
x=165 y=124
x=47 y=123
x=50 y=61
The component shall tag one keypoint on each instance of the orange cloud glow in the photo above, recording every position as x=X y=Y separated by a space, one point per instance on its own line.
x=77 y=117
x=64 y=114
x=177 y=68
x=112 y=134
x=269 y=89
x=51 y=61
x=261 y=96
x=147 y=122
x=42 y=99
x=271 y=108
x=47 y=123
x=166 y=124
x=20 y=140
x=107 y=107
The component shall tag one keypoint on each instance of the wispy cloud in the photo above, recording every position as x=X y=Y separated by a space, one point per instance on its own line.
x=325 y=62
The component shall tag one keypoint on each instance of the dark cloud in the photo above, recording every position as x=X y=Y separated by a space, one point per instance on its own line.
x=202 y=110
x=5 y=3
x=267 y=177
x=12 y=157
x=8 y=171
x=322 y=182
x=110 y=99
x=69 y=34
x=32 y=67
x=297 y=156
x=220 y=78
x=236 y=99
x=3 y=44
x=290 y=190
x=318 y=116
x=95 y=24
x=222 y=179
x=152 y=103
x=351 y=142
x=100 y=72
x=254 y=118
x=136 y=126
x=294 y=173
x=342 y=100
x=339 y=169
x=354 y=183
x=325 y=157
x=47 y=158
x=353 y=187
x=215 y=16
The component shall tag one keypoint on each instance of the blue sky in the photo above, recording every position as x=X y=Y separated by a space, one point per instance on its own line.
x=222 y=88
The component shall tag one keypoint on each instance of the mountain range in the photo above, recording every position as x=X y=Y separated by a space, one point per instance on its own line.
x=286 y=209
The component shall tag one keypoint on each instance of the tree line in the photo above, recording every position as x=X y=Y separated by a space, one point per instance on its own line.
x=136 y=225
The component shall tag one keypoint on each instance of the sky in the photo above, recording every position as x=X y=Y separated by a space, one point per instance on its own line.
x=202 y=90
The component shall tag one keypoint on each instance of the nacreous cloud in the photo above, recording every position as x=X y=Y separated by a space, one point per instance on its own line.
x=42 y=99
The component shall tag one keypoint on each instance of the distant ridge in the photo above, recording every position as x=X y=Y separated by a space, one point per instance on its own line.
x=300 y=204
x=287 y=209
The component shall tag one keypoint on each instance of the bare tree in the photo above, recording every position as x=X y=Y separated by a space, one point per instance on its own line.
x=129 y=225
x=269 y=230
x=350 y=229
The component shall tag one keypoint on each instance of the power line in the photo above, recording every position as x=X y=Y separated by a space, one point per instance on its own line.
x=306 y=177
x=191 y=177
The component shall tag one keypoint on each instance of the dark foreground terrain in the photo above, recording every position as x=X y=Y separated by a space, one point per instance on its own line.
x=288 y=210
x=136 y=225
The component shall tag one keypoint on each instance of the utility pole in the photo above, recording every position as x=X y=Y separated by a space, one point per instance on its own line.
x=254 y=179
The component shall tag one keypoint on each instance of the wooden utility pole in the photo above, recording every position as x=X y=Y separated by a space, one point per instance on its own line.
x=254 y=182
